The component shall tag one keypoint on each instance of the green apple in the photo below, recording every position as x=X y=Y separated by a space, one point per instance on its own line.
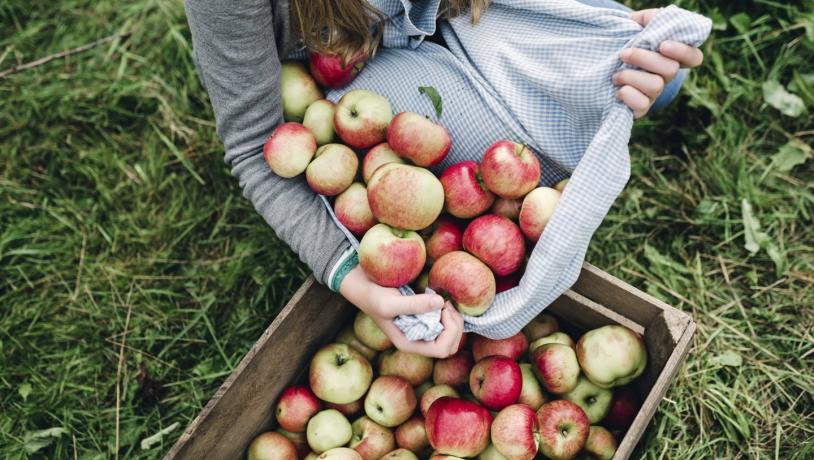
x=369 y=333
x=339 y=374
x=531 y=393
x=595 y=401
x=328 y=429
x=491 y=454
x=319 y=118
x=339 y=453
x=400 y=454
x=557 y=337
x=611 y=355
x=298 y=90
x=272 y=446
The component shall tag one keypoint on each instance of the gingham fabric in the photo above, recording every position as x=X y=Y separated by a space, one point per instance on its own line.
x=534 y=71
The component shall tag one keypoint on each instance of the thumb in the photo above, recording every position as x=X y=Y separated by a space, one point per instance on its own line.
x=644 y=17
x=417 y=304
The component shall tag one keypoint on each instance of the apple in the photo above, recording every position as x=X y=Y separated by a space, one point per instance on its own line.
x=625 y=405
x=362 y=118
x=376 y=157
x=348 y=409
x=391 y=257
x=353 y=211
x=369 y=333
x=465 y=196
x=447 y=236
x=504 y=283
x=600 y=445
x=404 y=196
x=538 y=206
x=563 y=429
x=298 y=90
x=531 y=393
x=412 y=435
x=296 y=405
x=561 y=185
x=491 y=454
x=328 y=429
x=289 y=149
x=432 y=394
x=512 y=347
x=556 y=367
x=497 y=242
x=464 y=280
x=593 y=400
x=454 y=370
x=496 y=381
x=418 y=139
x=390 y=401
x=272 y=446
x=299 y=440
x=400 y=454
x=332 y=170
x=437 y=456
x=509 y=209
x=347 y=336
x=510 y=170
x=339 y=374
x=315 y=456
x=541 y=326
x=319 y=119
x=458 y=427
x=331 y=71
x=370 y=439
x=339 y=453
x=557 y=337
x=611 y=355
x=515 y=432
x=420 y=284
x=412 y=367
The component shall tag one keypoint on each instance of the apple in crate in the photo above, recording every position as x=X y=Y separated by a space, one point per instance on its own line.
x=515 y=432
x=289 y=149
x=593 y=400
x=400 y=454
x=369 y=333
x=362 y=118
x=541 y=326
x=319 y=119
x=496 y=382
x=437 y=456
x=465 y=195
x=509 y=209
x=332 y=170
x=497 y=241
x=491 y=454
x=339 y=453
x=412 y=367
x=538 y=206
x=600 y=445
x=412 y=435
x=418 y=139
x=271 y=446
x=332 y=71
x=509 y=169
x=434 y=393
x=299 y=440
x=348 y=409
x=339 y=374
x=390 y=401
x=458 y=427
x=347 y=336
x=531 y=393
x=391 y=257
x=512 y=280
x=454 y=370
x=611 y=355
x=376 y=157
x=370 y=439
x=563 y=429
x=512 y=347
x=298 y=90
x=624 y=407
x=328 y=429
x=295 y=407
x=465 y=280
x=446 y=236
x=557 y=337
x=353 y=211
x=404 y=196
x=556 y=367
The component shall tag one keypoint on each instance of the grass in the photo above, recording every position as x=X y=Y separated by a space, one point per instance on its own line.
x=133 y=275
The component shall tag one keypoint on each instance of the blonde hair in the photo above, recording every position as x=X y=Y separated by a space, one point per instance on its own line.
x=343 y=26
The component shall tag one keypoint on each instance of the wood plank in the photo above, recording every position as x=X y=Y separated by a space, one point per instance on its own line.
x=586 y=314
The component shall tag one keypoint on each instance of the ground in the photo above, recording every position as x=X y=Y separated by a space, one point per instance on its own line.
x=134 y=276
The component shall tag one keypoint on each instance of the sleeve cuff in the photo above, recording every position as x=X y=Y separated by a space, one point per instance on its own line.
x=347 y=262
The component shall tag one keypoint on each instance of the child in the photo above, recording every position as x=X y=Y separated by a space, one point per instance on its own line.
x=238 y=46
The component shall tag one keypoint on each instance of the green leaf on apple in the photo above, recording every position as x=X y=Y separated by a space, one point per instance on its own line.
x=432 y=93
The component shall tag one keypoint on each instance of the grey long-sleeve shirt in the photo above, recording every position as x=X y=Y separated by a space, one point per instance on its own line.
x=237 y=46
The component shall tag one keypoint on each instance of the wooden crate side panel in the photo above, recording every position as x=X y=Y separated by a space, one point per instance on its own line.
x=587 y=314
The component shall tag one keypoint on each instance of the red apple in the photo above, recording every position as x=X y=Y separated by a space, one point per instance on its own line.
x=510 y=170
x=331 y=70
x=432 y=394
x=465 y=280
x=563 y=429
x=497 y=242
x=509 y=209
x=319 y=119
x=625 y=405
x=538 y=206
x=458 y=427
x=332 y=170
x=390 y=401
x=370 y=439
x=531 y=393
x=412 y=367
x=362 y=118
x=418 y=139
x=504 y=283
x=556 y=366
x=296 y=405
x=339 y=374
x=272 y=446
x=347 y=336
x=299 y=440
x=611 y=355
x=391 y=257
x=541 y=326
x=496 y=381
x=289 y=149
x=298 y=90
x=465 y=196
x=376 y=157
x=454 y=370
x=447 y=236
x=404 y=196
x=369 y=333
x=412 y=435
x=515 y=432
x=349 y=410
x=512 y=347
x=600 y=445
x=353 y=211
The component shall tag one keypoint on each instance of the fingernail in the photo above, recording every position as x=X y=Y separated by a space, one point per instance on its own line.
x=668 y=47
x=615 y=79
x=625 y=53
x=437 y=301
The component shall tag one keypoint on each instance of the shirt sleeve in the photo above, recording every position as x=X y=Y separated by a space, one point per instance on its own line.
x=236 y=56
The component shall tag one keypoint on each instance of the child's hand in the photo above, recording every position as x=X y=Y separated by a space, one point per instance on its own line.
x=384 y=304
x=640 y=88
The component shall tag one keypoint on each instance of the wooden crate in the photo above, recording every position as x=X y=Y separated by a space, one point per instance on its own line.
x=243 y=406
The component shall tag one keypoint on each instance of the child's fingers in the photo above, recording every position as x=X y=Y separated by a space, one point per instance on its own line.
x=458 y=320
x=651 y=61
x=634 y=99
x=649 y=84
x=414 y=304
x=685 y=55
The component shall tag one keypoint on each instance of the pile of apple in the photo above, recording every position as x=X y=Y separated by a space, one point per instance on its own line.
x=494 y=209
x=535 y=393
